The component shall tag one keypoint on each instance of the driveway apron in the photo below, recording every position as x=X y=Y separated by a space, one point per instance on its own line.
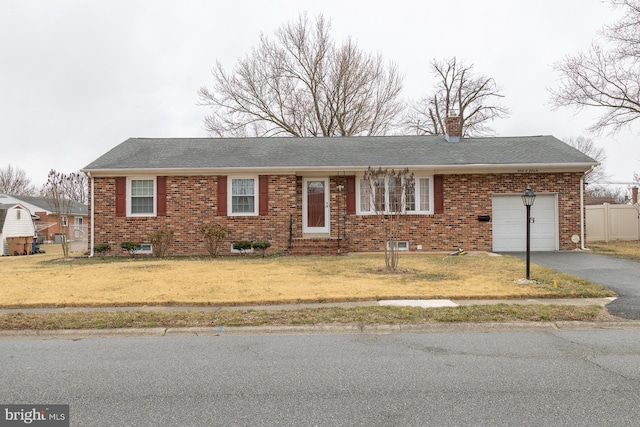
x=619 y=275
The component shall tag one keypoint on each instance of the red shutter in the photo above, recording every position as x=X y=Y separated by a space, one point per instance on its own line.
x=161 y=183
x=438 y=194
x=263 y=193
x=350 y=184
x=222 y=195
x=121 y=196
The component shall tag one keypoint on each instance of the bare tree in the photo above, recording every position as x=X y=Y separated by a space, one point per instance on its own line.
x=302 y=84
x=78 y=187
x=458 y=89
x=599 y=194
x=62 y=191
x=606 y=76
x=589 y=147
x=391 y=194
x=14 y=181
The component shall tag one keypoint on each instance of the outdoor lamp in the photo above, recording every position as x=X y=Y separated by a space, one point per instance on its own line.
x=528 y=198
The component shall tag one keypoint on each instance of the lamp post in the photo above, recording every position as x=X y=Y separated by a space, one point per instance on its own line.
x=528 y=197
x=340 y=187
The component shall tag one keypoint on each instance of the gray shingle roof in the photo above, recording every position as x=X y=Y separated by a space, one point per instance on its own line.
x=339 y=152
x=47 y=204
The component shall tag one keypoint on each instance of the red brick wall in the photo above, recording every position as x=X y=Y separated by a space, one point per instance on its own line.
x=466 y=197
x=191 y=201
x=48 y=226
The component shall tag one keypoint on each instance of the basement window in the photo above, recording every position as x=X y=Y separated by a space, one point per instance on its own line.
x=401 y=245
x=145 y=249
x=238 y=251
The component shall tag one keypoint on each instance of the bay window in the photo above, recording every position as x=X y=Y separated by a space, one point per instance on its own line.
x=389 y=196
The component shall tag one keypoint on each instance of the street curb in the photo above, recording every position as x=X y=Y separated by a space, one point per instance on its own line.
x=78 y=334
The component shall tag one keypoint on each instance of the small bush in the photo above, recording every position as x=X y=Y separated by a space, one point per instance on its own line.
x=262 y=246
x=131 y=247
x=101 y=248
x=161 y=240
x=214 y=235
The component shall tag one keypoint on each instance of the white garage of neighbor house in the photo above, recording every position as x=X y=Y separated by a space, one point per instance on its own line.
x=510 y=223
x=15 y=221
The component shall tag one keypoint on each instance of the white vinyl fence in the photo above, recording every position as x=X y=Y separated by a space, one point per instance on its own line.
x=612 y=222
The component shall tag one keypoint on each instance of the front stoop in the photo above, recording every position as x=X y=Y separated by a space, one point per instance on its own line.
x=318 y=246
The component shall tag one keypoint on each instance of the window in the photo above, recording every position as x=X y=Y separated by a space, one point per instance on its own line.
x=425 y=194
x=401 y=245
x=238 y=251
x=242 y=196
x=141 y=197
x=145 y=249
x=77 y=227
x=391 y=196
x=64 y=221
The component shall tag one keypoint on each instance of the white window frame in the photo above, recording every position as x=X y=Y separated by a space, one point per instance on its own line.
x=78 y=223
x=417 y=190
x=145 y=249
x=238 y=251
x=256 y=192
x=402 y=245
x=64 y=220
x=155 y=196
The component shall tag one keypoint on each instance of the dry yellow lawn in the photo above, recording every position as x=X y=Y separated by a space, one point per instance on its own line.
x=47 y=280
x=629 y=249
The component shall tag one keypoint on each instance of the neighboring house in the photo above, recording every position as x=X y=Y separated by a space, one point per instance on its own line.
x=15 y=221
x=46 y=219
x=307 y=195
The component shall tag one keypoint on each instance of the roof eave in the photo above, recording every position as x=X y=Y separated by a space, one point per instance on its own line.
x=446 y=169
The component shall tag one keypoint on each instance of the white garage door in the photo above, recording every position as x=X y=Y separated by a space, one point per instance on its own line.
x=509 y=224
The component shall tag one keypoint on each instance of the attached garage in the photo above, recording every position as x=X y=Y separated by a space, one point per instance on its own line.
x=510 y=223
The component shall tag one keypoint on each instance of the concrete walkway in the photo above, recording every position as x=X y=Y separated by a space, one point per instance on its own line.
x=432 y=303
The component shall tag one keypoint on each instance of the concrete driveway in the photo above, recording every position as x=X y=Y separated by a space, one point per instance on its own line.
x=620 y=275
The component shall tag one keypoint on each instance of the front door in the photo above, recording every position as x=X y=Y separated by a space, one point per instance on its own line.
x=315 y=205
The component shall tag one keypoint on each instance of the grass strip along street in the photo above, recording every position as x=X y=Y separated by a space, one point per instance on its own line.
x=307 y=317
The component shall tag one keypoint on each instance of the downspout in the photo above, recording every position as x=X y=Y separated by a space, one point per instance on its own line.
x=582 y=217
x=93 y=216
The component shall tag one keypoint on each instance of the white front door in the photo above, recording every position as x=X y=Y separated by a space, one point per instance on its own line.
x=315 y=205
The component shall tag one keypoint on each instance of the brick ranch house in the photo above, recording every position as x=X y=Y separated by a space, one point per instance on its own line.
x=307 y=195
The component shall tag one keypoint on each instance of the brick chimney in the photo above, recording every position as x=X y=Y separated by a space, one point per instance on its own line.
x=634 y=195
x=453 y=128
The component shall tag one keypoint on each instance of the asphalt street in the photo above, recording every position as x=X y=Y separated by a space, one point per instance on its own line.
x=565 y=377
x=620 y=275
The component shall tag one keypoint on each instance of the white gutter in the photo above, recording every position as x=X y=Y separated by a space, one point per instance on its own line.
x=93 y=216
x=526 y=168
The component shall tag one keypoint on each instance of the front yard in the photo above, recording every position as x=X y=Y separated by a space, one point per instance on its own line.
x=49 y=281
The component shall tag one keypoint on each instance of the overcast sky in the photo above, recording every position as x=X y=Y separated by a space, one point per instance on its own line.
x=79 y=77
